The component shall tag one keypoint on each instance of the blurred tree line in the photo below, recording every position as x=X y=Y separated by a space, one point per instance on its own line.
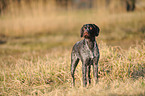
x=128 y=5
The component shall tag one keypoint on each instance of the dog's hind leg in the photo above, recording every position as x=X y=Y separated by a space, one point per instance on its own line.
x=74 y=63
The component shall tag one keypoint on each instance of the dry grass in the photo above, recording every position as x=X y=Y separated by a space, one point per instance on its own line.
x=39 y=19
x=35 y=48
x=121 y=72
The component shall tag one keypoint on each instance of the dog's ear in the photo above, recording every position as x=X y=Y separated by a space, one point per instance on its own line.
x=96 y=30
x=82 y=31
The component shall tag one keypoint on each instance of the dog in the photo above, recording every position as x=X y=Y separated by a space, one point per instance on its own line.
x=87 y=51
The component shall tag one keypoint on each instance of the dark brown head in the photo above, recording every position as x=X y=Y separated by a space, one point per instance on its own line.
x=89 y=30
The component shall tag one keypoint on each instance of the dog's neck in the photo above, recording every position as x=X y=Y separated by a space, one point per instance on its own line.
x=90 y=42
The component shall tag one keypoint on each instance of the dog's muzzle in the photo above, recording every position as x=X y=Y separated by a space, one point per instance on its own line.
x=86 y=34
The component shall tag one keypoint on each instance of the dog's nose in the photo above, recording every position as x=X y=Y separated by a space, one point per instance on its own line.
x=86 y=32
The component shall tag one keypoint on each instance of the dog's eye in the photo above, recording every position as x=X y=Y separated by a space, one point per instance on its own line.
x=85 y=28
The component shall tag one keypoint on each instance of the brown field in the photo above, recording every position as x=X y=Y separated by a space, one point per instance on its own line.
x=35 y=47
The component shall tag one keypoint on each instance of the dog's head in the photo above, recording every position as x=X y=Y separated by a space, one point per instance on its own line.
x=89 y=31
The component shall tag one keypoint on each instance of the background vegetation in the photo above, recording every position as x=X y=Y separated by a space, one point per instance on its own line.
x=36 y=40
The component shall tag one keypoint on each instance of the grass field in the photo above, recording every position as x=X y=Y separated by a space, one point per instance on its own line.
x=121 y=72
x=35 y=48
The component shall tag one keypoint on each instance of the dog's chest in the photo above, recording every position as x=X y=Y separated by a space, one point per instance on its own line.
x=89 y=52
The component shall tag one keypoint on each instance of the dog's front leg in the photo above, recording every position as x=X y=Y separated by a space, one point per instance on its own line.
x=95 y=72
x=95 y=69
x=84 y=71
x=88 y=73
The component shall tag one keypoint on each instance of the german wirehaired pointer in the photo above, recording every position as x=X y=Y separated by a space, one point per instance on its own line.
x=87 y=51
